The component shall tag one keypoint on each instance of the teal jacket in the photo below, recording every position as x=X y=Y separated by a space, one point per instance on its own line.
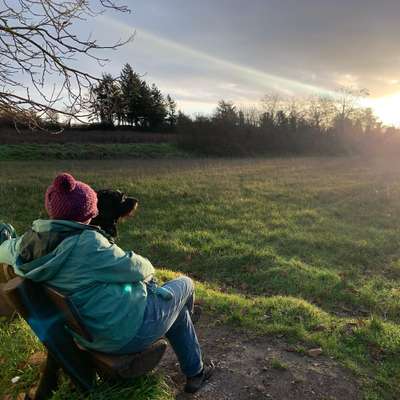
x=104 y=282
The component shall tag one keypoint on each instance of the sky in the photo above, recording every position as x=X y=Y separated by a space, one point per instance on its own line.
x=203 y=51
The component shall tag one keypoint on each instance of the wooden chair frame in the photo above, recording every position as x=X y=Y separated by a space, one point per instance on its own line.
x=52 y=317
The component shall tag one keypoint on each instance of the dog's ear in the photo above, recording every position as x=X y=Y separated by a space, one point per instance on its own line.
x=128 y=206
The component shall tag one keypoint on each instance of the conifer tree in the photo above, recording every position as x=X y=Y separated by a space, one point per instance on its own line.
x=171 y=112
x=158 y=110
x=105 y=99
x=131 y=96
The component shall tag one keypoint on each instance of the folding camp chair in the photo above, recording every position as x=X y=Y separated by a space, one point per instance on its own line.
x=53 y=318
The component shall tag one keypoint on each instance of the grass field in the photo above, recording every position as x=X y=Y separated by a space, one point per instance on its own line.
x=89 y=151
x=304 y=248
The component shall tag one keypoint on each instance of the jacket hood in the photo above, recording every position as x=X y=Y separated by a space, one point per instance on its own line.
x=57 y=225
x=44 y=248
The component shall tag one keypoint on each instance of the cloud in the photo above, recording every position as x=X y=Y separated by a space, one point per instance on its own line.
x=237 y=50
x=175 y=65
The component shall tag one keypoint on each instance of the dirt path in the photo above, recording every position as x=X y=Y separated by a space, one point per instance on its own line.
x=249 y=368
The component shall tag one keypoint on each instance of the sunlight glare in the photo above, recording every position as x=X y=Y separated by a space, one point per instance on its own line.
x=387 y=109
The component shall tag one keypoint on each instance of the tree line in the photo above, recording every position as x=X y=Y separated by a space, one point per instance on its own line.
x=130 y=100
x=336 y=124
x=278 y=125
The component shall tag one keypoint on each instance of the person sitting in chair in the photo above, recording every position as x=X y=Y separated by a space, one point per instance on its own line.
x=114 y=291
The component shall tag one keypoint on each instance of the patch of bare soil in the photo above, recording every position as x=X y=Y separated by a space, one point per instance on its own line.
x=261 y=368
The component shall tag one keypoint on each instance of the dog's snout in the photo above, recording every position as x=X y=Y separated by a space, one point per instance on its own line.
x=129 y=206
x=133 y=201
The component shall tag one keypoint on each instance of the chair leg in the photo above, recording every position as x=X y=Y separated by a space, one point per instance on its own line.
x=49 y=380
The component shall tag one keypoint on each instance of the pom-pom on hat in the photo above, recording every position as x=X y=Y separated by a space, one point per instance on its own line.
x=69 y=199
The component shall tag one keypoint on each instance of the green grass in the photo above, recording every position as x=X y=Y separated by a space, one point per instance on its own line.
x=88 y=151
x=280 y=246
x=17 y=344
x=278 y=364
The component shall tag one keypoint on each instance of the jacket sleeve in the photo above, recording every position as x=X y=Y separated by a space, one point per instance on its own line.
x=127 y=267
x=8 y=244
x=111 y=264
x=142 y=266
x=9 y=251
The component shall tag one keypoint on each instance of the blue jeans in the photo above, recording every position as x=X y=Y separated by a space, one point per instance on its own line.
x=172 y=319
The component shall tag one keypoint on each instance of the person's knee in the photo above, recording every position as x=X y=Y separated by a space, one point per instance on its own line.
x=182 y=287
x=189 y=284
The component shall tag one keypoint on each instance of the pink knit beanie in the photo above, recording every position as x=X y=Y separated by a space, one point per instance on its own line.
x=70 y=199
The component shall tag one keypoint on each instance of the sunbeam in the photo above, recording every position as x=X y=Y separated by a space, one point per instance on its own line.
x=260 y=78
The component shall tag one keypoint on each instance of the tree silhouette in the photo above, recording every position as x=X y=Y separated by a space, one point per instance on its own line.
x=106 y=100
x=226 y=112
x=38 y=40
x=346 y=104
x=158 y=110
x=131 y=96
x=129 y=99
x=171 y=112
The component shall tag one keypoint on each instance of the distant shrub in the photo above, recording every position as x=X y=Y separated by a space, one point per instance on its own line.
x=230 y=132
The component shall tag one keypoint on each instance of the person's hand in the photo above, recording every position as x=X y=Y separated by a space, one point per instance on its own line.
x=164 y=293
x=7 y=231
x=161 y=291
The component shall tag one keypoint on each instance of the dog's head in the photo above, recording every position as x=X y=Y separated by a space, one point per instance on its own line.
x=113 y=205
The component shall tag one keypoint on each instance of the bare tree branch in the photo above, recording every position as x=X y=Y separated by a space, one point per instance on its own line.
x=38 y=48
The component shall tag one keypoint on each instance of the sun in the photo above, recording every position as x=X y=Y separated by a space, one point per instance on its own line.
x=387 y=109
